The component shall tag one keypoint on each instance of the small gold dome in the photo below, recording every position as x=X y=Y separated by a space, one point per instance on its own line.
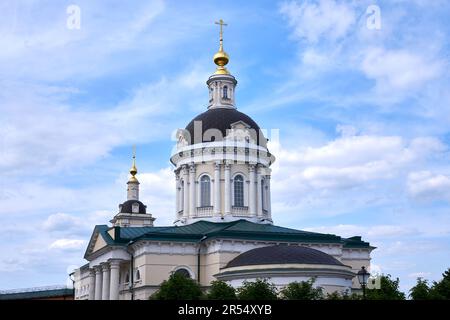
x=221 y=59
x=133 y=170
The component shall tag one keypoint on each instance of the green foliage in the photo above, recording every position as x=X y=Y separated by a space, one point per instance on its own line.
x=261 y=289
x=441 y=290
x=221 y=291
x=178 y=287
x=420 y=291
x=389 y=290
x=303 y=290
x=343 y=296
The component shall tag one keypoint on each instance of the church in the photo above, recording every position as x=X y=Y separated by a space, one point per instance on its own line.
x=223 y=225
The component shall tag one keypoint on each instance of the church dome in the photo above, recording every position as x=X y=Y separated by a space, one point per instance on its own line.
x=283 y=254
x=127 y=207
x=221 y=119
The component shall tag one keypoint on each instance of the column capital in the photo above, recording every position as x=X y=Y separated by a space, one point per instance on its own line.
x=105 y=266
x=252 y=167
x=98 y=269
x=217 y=165
x=192 y=167
x=114 y=263
x=227 y=166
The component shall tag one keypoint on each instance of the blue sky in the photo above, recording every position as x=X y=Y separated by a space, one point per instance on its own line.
x=363 y=117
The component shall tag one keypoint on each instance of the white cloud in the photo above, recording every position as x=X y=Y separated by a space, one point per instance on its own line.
x=399 y=69
x=426 y=185
x=351 y=160
x=416 y=275
x=56 y=52
x=61 y=222
x=312 y=20
x=369 y=233
x=37 y=120
x=350 y=174
x=158 y=193
x=67 y=244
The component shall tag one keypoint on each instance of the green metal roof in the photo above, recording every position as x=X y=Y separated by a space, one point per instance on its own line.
x=240 y=229
x=40 y=294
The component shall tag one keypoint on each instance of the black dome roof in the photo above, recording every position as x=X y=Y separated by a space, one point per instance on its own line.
x=221 y=119
x=126 y=207
x=283 y=254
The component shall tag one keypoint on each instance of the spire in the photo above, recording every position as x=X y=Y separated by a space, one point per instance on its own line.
x=221 y=57
x=133 y=170
x=133 y=183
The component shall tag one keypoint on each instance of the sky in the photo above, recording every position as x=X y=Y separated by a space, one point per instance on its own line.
x=354 y=96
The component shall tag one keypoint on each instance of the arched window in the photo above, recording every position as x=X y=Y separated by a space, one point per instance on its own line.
x=238 y=191
x=138 y=275
x=225 y=92
x=205 y=191
x=183 y=272
x=127 y=277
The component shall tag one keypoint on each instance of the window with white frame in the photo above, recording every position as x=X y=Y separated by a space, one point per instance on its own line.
x=238 y=191
x=183 y=272
x=225 y=92
x=205 y=191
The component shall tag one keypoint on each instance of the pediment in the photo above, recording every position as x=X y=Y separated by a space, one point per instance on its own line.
x=97 y=241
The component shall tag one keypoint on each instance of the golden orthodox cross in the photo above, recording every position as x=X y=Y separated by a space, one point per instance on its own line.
x=221 y=23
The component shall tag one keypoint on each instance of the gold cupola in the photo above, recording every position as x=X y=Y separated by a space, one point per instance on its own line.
x=221 y=57
x=133 y=170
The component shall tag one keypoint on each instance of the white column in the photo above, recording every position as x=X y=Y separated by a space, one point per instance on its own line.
x=98 y=282
x=177 y=193
x=252 y=191
x=259 y=193
x=217 y=204
x=91 y=284
x=105 y=286
x=227 y=188
x=185 y=192
x=192 y=208
x=114 y=283
x=269 y=202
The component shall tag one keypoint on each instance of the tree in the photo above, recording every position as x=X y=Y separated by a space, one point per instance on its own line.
x=420 y=291
x=261 y=289
x=178 y=287
x=220 y=290
x=343 y=296
x=441 y=290
x=303 y=290
x=389 y=290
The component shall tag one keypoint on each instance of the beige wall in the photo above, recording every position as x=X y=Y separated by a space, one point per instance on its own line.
x=211 y=264
x=100 y=243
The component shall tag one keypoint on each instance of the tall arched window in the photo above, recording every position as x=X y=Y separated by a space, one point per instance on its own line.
x=205 y=191
x=238 y=191
x=225 y=92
